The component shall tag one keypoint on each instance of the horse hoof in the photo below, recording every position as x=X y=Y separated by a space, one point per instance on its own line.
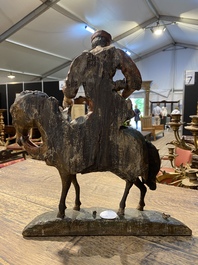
x=120 y=212
x=60 y=215
x=140 y=208
x=76 y=208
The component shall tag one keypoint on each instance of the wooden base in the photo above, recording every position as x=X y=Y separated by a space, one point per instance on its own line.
x=85 y=223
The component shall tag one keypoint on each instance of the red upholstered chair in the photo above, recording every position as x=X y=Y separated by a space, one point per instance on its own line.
x=183 y=157
x=181 y=160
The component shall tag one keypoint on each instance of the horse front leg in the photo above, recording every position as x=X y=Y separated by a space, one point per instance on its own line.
x=77 y=191
x=138 y=183
x=66 y=183
x=124 y=197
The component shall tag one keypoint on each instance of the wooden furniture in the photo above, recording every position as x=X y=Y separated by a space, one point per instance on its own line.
x=9 y=130
x=36 y=188
x=146 y=134
x=13 y=149
x=77 y=111
x=7 y=155
x=11 y=144
x=146 y=125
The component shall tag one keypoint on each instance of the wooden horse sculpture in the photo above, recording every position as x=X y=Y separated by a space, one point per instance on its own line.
x=95 y=142
x=68 y=148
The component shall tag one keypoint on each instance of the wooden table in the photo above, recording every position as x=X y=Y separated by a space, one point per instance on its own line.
x=30 y=188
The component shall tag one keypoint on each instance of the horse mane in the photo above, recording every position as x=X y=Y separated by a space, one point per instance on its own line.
x=35 y=92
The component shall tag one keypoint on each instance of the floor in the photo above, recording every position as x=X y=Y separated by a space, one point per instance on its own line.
x=30 y=188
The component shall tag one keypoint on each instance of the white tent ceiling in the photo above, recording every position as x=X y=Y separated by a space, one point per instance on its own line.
x=39 y=39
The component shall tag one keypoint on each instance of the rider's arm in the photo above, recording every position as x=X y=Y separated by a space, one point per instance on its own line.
x=130 y=71
x=67 y=102
x=73 y=79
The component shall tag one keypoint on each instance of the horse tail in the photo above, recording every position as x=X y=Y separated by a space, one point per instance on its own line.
x=154 y=165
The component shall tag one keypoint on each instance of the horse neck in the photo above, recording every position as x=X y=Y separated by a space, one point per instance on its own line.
x=55 y=125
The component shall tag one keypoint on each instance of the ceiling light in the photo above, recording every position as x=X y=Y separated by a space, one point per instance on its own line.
x=11 y=76
x=128 y=53
x=89 y=29
x=159 y=28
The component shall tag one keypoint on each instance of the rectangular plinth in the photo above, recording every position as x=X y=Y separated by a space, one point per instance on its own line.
x=134 y=222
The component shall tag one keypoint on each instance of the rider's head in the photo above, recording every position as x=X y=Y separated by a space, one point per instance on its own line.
x=100 y=38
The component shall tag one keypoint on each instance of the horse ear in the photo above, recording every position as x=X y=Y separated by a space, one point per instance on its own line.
x=54 y=103
x=53 y=99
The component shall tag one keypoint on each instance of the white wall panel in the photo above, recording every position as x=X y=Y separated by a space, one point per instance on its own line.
x=167 y=70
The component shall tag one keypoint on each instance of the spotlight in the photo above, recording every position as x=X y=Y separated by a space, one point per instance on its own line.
x=89 y=29
x=128 y=53
x=11 y=76
x=159 y=28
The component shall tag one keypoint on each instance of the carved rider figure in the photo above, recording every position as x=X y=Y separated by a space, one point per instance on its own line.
x=92 y=67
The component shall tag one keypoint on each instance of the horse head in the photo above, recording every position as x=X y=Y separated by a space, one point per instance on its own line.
x=27 y=112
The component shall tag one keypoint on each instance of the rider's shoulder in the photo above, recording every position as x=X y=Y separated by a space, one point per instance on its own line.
x=120 y=51
x=86 y=51
x=99 y=49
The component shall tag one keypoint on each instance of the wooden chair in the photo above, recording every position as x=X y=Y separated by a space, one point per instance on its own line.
x=14 y=149
x=146 y=125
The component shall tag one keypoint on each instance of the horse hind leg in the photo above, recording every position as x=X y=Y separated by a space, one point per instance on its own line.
x=139 y=184
x=77 y=191
x=124 y=197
